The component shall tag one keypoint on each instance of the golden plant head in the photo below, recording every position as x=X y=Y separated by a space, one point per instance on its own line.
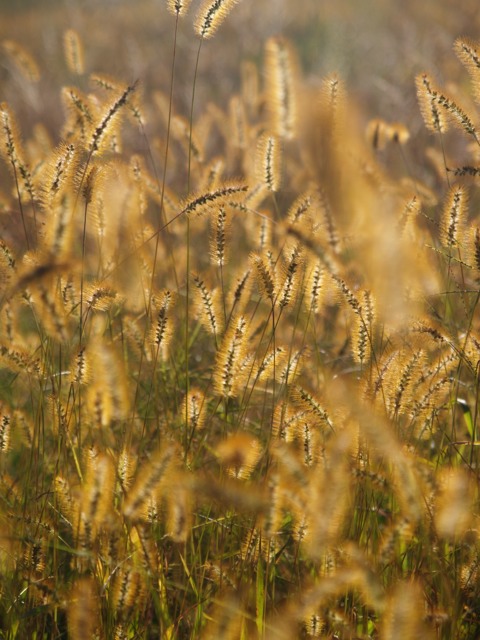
x=11 y=148
x=454 y=213
x=178 y=7
x=434 y=116
x=238 y=296
x=239 y=453
x=5 y=430
x=74 y=54
x=291 y=273
x=161 y=332
x=219 y=237
x=22 y=60
x=96 y=506
x=227 y=620
x=380 y=133
x=111 y=85
x=281 y=73
x=268 y=166
x=128 y=590
x=229 y=193
x=314 y=286
x=239 y=123
x=210 y=16
x=107 y=127
x=178 y=497
x=401 y=379
x=333 y=104
x=405 y=612
x=453 y=511
x=107 y=394
x=272 y=364
x=208 y=305
x=125 y=468
x=363 y=328
x=195 y=409
x=150 y=482
x=83 y=611
x=228 y=375
x=264 y=276
x=468 y=51
x=57 y=177
x=474 y=248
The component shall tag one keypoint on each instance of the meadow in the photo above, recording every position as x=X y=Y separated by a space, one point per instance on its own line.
x=239 y=323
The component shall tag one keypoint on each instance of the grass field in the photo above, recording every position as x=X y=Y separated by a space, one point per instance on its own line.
x=239 y=323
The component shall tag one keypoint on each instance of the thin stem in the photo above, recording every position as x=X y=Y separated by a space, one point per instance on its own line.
x=22 y=215
x=163 y=225
x=187 y=275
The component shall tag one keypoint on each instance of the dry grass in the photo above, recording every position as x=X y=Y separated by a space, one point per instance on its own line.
x=239 y=348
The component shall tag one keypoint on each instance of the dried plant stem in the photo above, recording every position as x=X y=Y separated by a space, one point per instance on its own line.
x=162 y=224
x=187 y=275
x=81 y=326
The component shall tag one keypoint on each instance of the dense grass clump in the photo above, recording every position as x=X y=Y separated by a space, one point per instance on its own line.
x=239 y=355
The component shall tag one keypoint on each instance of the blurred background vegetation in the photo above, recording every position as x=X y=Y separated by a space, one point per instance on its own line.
x=377 y=46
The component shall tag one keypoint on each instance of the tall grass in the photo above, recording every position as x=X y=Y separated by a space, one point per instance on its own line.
x=239 y=358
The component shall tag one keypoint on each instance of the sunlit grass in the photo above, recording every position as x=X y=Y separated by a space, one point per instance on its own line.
x=239 y=354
